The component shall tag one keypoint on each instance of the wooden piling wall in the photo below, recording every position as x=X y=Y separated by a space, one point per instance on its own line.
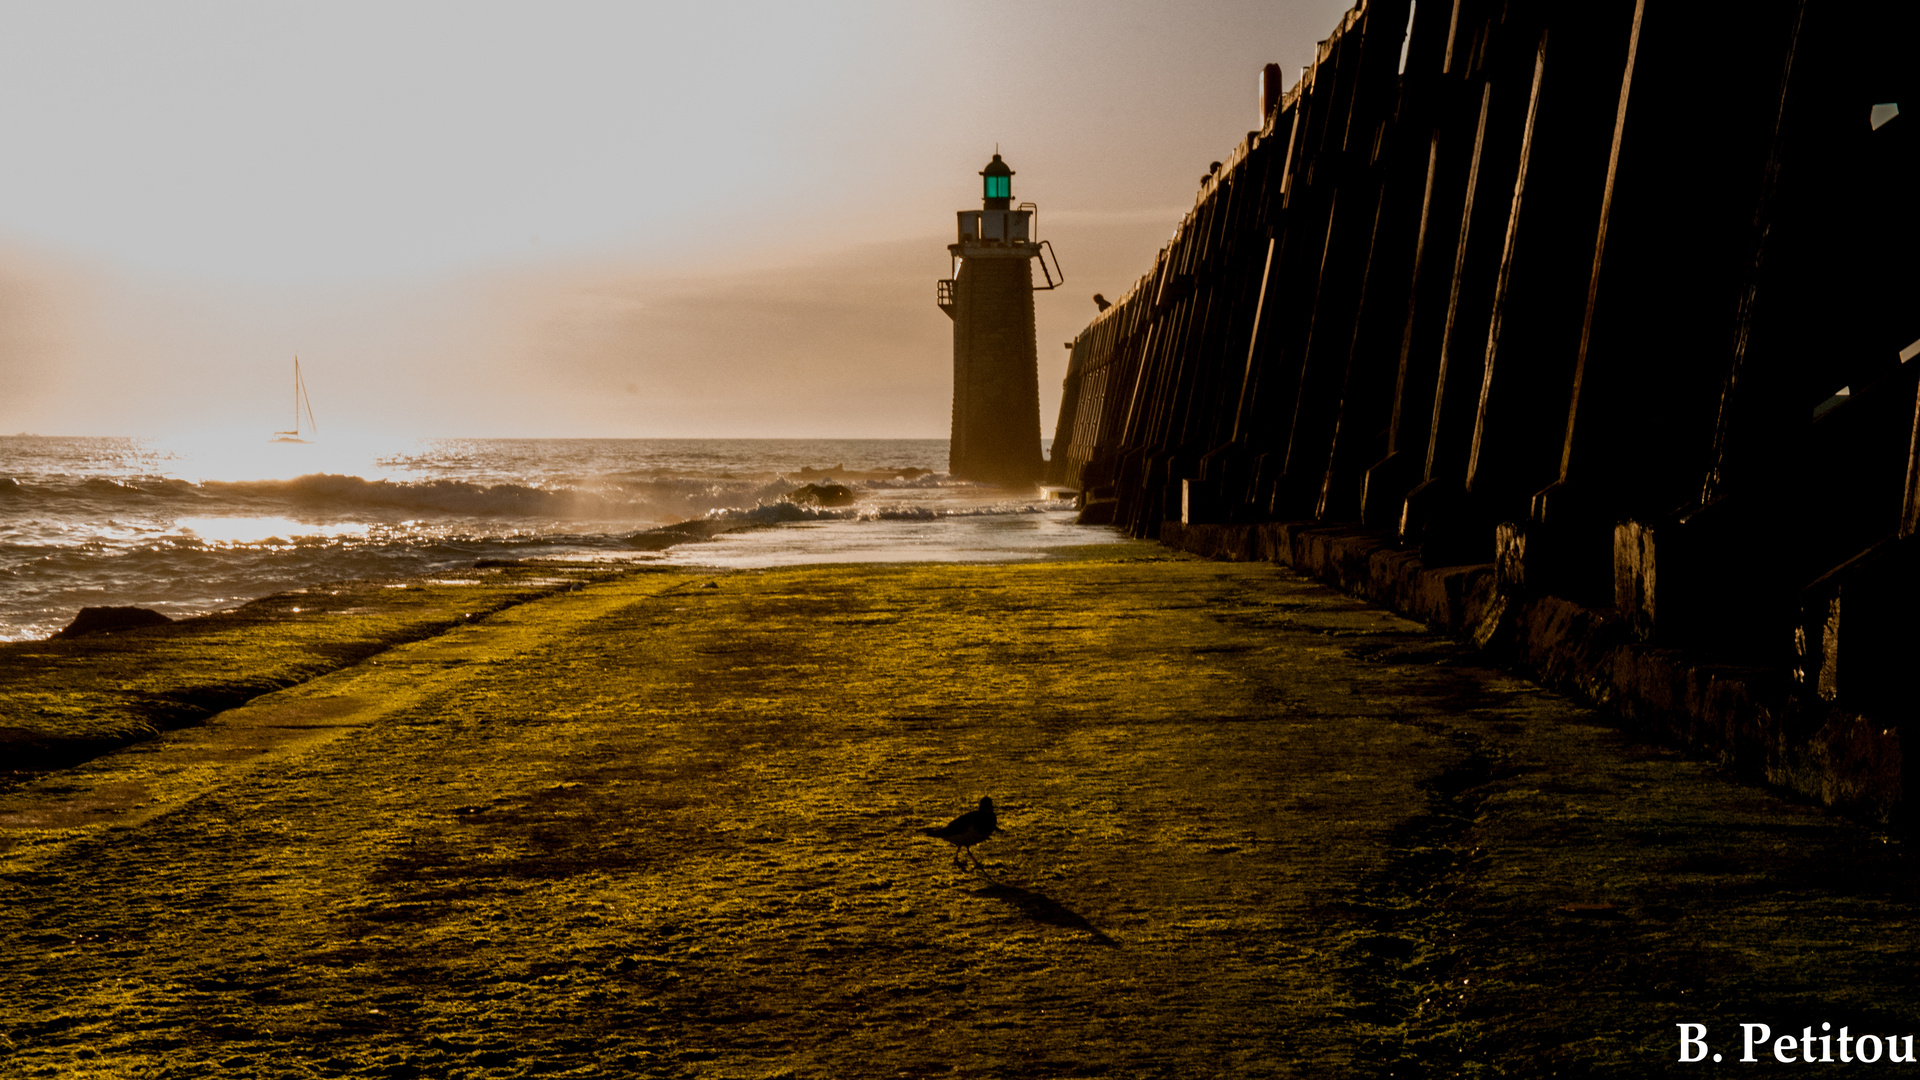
x=1610 y=309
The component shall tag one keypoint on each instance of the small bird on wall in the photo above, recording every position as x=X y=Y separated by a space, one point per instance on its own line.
x=968 y=829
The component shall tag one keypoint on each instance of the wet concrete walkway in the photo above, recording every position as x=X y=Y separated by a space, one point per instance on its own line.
x=668 y=825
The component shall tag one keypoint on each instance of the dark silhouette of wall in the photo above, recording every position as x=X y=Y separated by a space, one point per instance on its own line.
x=1570 y=289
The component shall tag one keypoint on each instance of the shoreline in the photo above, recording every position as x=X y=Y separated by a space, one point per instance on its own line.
x=64 y=701
x=190 y=529
x=55 y=712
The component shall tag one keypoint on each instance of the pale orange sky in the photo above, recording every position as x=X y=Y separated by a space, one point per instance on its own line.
x=588 y=219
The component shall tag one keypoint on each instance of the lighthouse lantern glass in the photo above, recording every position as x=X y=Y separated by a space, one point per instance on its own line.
x=999 y=187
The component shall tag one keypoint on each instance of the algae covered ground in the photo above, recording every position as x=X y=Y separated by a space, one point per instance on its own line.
x=668 y=824
x=65 y=700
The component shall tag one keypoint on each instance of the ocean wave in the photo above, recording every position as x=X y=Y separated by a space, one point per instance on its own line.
x=931 y=480
x=40 y=590
x=335 y=495
x=85 y=524
x=779 y=513
x=334 y=491
x=628 y=497
x=107 y=487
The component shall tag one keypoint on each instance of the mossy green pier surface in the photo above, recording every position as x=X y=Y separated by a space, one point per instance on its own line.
x=65 y=700
x=669 y=824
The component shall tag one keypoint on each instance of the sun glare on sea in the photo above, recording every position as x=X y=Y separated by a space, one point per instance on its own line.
x=227 y=456
x=262 y=531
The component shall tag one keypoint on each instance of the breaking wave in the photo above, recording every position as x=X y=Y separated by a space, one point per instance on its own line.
x=328 y=495
x=776 y=513
x=114 y=521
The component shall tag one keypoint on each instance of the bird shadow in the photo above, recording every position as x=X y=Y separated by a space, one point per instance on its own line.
x=1042 y=908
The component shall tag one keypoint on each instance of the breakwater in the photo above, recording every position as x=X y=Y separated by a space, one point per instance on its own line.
x=648 y=827
x=1603 y=314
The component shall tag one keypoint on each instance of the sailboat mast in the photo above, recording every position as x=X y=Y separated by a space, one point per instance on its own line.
x=300 y=401
x=300 y=386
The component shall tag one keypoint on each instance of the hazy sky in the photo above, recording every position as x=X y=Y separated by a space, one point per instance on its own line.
x=632 y=219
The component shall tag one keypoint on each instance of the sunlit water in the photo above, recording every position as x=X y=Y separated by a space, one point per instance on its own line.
x=189 y=526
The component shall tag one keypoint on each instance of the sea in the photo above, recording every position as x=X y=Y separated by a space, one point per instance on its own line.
x=188 y=526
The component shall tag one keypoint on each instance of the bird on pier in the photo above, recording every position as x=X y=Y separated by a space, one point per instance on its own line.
x=968 y=829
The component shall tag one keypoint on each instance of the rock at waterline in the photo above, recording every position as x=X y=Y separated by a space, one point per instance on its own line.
x=822 y=495
x=108 y=620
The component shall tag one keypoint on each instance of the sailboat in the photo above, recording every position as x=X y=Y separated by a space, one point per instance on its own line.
x=300 y=403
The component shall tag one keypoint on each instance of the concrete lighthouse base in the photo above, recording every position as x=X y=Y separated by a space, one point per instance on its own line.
x=996 y=372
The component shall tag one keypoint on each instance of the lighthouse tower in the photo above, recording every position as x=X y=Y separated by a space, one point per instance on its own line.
x=996 y=372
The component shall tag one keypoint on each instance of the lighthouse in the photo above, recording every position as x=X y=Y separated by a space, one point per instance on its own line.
x=996 y=370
